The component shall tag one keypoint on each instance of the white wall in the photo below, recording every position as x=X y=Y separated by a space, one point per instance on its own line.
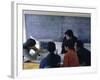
x=5 y=39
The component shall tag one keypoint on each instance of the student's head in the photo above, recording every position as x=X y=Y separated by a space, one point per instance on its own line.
x=79 y=44
x=70 y=44
x=29 y=43
x=69 y=34
x=51 y=47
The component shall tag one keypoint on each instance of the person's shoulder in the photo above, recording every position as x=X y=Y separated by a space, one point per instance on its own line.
x=83 y=51
x=86 y=50
x=43 y=63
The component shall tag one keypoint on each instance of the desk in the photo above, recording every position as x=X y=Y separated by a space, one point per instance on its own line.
x=31 y=66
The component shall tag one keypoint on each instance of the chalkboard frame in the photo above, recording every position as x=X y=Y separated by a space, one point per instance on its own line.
x=17 y=39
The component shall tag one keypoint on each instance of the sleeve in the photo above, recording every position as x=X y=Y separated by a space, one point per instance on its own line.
x=43 y=63
x=63 y=45
x=59 y=60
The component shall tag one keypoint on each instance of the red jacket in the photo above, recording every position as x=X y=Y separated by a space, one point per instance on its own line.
x=71 y=59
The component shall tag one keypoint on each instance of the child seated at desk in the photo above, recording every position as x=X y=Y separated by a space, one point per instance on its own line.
x=52 y=60
x=27 y=46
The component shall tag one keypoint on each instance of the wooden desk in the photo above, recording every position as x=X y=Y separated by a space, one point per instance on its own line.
x=30 y=66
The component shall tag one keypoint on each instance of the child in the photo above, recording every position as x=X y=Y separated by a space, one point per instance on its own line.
x=68 y=36
x=84 y=55
x=52 y=60
x=70 y=57
x=30 y=44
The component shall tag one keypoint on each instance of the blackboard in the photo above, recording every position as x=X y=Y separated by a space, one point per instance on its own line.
x=53 y=27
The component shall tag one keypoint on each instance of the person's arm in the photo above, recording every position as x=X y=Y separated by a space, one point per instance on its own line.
x=42 y=64
x=63 y=46
x=59 y=61
x=36 y=50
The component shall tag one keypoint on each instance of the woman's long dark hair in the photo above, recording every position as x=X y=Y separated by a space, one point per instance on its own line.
x=69 y=33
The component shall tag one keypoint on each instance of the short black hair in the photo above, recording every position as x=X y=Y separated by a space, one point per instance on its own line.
x=51 y=47
x=29 y=43
x=69 y=33
x=80 y=44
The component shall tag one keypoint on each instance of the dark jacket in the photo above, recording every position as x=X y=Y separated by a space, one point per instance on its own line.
x=84 y=57
x=65 y=41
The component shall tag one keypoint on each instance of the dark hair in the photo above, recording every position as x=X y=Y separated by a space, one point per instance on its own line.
x=70 y=44
x=29 y=43
x=79 y=44
x=69 y=33
x=51 y=47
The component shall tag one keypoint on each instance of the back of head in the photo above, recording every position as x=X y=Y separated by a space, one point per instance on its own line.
x=69 y=33
x=51 y=47
x=29 y=43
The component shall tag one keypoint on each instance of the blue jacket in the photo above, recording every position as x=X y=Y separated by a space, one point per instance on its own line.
x=52 y=60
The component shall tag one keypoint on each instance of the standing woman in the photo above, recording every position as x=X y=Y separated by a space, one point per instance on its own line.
x=68 y=36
